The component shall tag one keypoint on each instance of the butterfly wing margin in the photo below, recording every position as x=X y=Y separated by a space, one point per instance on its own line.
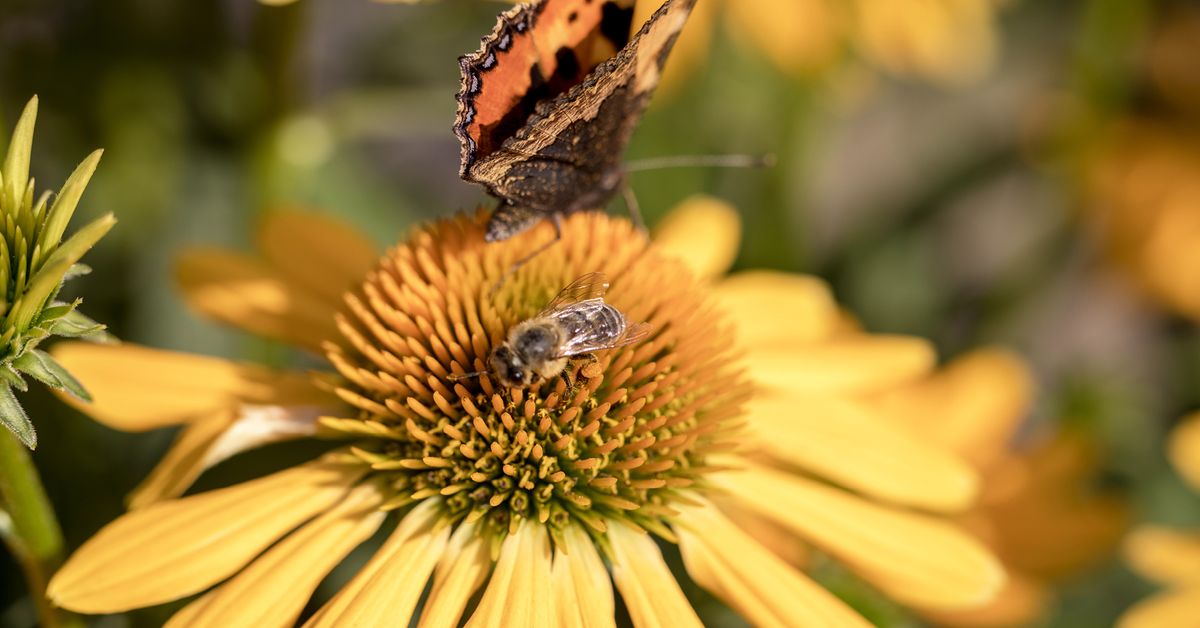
x=589 y=287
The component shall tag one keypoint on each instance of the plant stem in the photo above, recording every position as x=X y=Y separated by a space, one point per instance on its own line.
x=32 y=532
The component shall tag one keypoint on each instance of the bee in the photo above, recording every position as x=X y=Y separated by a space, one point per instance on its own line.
x=574 y=323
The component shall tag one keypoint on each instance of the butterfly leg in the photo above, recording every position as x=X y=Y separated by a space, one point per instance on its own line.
x=635 y=210
x=556 y=220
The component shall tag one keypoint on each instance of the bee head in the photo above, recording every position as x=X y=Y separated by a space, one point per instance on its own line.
x=509 y=368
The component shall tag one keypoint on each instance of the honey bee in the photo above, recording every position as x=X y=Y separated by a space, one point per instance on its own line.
x=574 y=323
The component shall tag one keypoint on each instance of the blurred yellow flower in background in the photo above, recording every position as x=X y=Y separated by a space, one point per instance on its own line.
x=1143 y=193
x=539 y=488
x=1170 y=556
x=948 y=42
x=1040 y=510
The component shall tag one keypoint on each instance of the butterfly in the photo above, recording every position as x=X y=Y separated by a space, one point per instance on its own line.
x=549 y=101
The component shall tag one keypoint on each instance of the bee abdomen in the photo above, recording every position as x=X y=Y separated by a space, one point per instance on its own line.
x=601 y=321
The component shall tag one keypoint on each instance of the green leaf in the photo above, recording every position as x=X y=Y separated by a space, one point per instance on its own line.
x=64 y=206
x=13 y=416
x=46 y=370
x=16 y=163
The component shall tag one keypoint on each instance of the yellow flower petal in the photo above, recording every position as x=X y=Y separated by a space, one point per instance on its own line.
x=386 y=590
x=772 y=308
x=760 y=586
x=971 y=407
x=183 y=462
x=582 y=588
x=1020 y=603
x=1184 y=449
x=950 y=42
x=780 y=540
x=206 y=442
x=845 y=442
x=915 y=559
x=702 y=232
x=860 y=364
x=273 y=590
x=1165 y=555
x=1042 y=513
x=1170 y=261
x=138 y=388
x=798 y=35
x=1165 y=610
x=250 y=295
x=646 y=583
x=464 y=566
x=176 y=548
x=519 y=593
x=324 y=256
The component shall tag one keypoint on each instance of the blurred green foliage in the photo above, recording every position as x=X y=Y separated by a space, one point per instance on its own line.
x=949 y=213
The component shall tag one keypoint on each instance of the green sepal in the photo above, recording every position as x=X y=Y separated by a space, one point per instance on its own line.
x=75 y=246
x=43 y=286
x=13 y=416
x=55 y=310
x=45 y=369
x=68 y=197
x=75 y=324
x=10 y=377
x=16 y=162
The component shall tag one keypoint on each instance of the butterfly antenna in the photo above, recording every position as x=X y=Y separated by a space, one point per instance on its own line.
x=556 y=220
x=702 y=161
x=635 y=210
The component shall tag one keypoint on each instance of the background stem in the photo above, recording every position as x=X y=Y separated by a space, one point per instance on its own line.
x=32 y=531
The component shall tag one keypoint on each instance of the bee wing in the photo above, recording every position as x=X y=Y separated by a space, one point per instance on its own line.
x=587 y=343
x=587 y=288
x=633 y=334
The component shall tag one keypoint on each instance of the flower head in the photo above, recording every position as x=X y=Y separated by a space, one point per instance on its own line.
x=34 y=262
x=522 y=505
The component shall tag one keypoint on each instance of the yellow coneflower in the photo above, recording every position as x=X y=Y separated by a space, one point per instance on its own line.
x=944 y=41
x=520 y=507
x=1170 y=556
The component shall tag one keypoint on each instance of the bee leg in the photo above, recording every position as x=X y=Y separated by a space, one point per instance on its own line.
x=556 y=220
x=635 y=210
x=592 y=359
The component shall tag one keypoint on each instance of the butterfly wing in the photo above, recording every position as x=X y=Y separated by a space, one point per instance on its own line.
x=567 y=155
x=537 y=51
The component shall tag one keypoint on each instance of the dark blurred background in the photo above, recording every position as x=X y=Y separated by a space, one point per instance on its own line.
x=946 y=176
